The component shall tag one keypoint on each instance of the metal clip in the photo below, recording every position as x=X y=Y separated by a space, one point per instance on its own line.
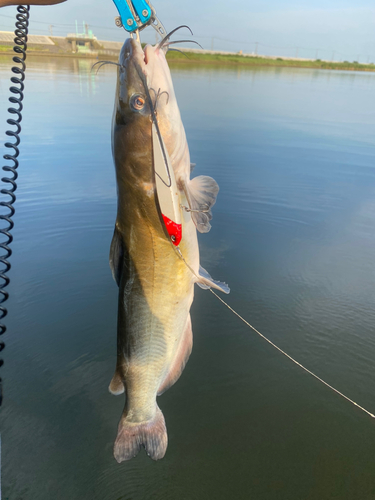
x=137 y=15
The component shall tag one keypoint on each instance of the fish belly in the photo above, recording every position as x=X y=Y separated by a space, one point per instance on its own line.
x=154 y=336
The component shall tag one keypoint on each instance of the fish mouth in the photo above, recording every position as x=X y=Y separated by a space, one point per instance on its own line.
x=146 y=67
x=144 y=71
x=132 y=51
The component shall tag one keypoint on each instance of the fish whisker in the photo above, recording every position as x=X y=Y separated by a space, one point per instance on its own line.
x=182 y=41
x=160 y=45
x=103 y=63
x=180 y=51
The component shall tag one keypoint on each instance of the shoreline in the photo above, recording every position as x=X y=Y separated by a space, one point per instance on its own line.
x=248 y=60
x=196 y=58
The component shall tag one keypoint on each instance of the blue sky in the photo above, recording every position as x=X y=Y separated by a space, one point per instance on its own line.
x=344 y=30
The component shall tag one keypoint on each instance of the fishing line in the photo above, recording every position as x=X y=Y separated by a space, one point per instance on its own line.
x=290 y=357
x=178 y=251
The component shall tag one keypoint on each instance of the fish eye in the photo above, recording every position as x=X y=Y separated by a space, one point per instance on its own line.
x=137 y=102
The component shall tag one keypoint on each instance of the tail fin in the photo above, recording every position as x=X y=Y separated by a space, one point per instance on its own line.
x=131 y=436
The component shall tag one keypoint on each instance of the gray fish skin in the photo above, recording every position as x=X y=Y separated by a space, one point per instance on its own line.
x=156 y=288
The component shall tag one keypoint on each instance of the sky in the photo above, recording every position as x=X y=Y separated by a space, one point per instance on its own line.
x=331 y=29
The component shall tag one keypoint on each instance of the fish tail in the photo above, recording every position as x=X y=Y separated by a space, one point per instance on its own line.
x=131 y=436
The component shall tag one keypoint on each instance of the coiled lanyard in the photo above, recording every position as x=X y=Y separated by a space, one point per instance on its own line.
x=20 y=40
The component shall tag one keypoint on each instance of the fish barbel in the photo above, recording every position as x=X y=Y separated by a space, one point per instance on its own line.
x=156 y=286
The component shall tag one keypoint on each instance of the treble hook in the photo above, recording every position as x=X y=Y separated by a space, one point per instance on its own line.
x=157 y=97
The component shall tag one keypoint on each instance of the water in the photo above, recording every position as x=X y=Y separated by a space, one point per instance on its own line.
x=293 y=234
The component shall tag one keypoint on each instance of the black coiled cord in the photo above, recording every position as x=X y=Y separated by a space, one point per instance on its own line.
x=20 y=32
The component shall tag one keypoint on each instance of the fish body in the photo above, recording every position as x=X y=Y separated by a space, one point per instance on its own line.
x=156 y=286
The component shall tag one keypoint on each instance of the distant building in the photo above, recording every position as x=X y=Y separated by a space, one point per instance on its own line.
x=83 y=42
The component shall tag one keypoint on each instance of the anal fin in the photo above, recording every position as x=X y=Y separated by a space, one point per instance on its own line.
x=182 y=356
x=116 y=255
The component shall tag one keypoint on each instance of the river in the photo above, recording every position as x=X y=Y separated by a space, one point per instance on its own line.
x=293 y=234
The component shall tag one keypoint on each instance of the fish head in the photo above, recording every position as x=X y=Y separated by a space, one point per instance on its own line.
x=131 y=103
x=145 y=91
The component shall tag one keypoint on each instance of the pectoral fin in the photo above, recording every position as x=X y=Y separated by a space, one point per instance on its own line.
x=201 y=193
x=205 y=281
x=116 y=255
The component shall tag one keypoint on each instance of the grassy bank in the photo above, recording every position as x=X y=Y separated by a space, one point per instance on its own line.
x=221 y=59
x=37 y=51
x=6 y=49
x=217 y=59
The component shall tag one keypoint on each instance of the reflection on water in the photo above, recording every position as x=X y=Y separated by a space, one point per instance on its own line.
x=293 y=234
